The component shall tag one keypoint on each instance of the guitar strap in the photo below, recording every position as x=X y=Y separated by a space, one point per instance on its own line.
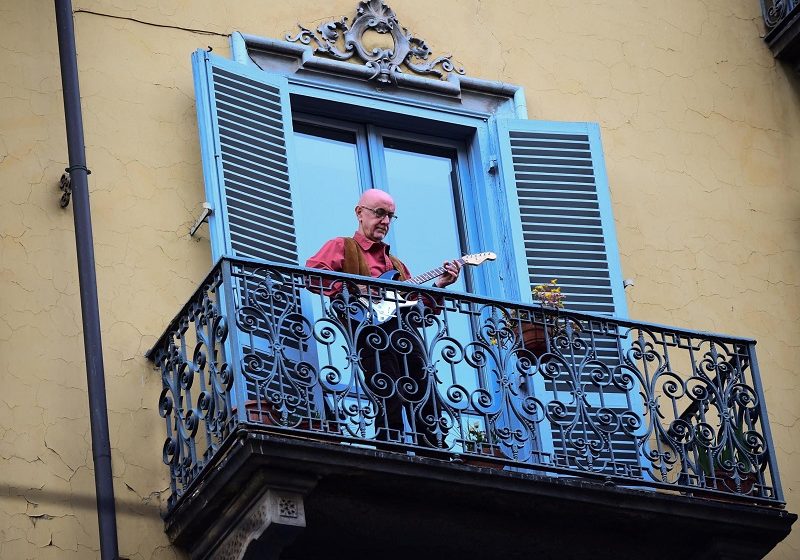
x=355 y=263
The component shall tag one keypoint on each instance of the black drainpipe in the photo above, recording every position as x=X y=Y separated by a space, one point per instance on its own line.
x=98 y=411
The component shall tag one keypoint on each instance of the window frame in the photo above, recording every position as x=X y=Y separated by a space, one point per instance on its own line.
x=465 y=197
x=475 y=143
x=343 y=125
x=370 y=146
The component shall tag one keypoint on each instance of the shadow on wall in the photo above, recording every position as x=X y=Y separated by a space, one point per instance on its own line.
x=793 y=77
x=150 y=506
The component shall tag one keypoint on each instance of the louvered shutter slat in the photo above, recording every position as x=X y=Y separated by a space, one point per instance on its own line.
x=249 y=126
x=554 y=178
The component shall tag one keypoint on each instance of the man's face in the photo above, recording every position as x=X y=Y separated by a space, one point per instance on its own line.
x=371 y=226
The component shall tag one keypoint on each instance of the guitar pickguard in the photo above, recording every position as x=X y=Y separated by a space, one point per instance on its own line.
x=383 y=310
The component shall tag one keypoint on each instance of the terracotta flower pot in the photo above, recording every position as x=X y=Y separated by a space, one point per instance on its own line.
x=268 y=416
x=533 y=338
x=724 y=481
x=485 y=450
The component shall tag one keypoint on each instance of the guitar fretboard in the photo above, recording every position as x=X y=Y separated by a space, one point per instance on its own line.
x=431 y=274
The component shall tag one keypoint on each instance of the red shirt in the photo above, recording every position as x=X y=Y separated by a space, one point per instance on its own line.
x=376 y=255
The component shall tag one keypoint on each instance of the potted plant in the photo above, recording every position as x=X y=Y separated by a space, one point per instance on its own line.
x=475 y=437
x=719 y=478
x=532 y=335
x=478 y=443
x=264 y=411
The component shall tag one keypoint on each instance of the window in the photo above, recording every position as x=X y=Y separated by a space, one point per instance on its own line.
x=534 y=192
x=286 y=158
x=337 y=161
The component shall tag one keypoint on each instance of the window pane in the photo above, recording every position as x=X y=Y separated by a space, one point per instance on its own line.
x=421 y=182
x=327 y=178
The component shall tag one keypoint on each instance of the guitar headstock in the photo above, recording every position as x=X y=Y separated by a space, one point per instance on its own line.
x=478 y=258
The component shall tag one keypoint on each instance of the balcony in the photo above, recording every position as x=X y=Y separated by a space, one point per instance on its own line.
x=782 y=21
x=522 y=430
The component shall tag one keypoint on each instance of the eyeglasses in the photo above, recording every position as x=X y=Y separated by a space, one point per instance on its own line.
x=380 y=213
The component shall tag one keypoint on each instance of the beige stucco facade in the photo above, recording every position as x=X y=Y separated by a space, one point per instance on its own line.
x=701 y=132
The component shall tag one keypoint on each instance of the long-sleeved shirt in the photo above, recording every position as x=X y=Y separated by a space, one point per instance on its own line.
x=376 y=255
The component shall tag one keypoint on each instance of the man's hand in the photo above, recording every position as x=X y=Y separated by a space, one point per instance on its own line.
x=451 y=271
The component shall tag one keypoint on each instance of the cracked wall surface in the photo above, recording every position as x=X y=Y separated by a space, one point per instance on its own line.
x=701 y=132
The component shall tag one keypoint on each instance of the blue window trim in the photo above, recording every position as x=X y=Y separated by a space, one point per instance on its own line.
x=607 y=218
x=365 y=176
x=209 y=151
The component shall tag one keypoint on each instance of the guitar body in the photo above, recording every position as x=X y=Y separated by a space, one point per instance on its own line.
x=390 y=275
x=378 y=312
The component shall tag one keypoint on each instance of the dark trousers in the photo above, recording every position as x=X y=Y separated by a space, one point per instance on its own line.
x=397 y=378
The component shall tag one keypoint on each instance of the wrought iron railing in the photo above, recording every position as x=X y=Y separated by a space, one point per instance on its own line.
x=782 y=22
x=470 y=380
x=775 y=11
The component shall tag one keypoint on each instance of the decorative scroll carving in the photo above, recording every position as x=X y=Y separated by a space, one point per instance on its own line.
x=265 y=521
x=375 y=15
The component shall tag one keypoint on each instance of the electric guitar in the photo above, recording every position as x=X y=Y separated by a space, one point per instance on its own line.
x=380 y=311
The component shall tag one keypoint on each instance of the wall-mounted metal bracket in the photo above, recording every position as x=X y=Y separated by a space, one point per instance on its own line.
x=492 y=168
x=65 y=184
x=207 y=211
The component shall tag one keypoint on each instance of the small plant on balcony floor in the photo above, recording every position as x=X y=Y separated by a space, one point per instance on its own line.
x=475 y=437
x=478 y=443
x=721 y=472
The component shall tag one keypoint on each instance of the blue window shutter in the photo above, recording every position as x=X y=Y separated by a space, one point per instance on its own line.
x=563 y=227
x=245 y=129
x=555 y=180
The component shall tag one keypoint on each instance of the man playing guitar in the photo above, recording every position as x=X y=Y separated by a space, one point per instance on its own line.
x=366 y=254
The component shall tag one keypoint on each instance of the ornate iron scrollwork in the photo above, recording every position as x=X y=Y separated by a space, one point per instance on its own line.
x=776 y=10
x=460 y=377
x=375 y=15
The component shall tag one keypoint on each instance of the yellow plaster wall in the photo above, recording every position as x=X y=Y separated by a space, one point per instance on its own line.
x=701 y=132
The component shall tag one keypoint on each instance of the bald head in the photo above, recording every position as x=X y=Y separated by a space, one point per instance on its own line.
x=375 y=197
x=372 y=227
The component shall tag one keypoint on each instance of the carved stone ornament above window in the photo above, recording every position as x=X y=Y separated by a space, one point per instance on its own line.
x=375 y=15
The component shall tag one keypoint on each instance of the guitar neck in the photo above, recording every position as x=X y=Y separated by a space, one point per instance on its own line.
x=431 y=274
